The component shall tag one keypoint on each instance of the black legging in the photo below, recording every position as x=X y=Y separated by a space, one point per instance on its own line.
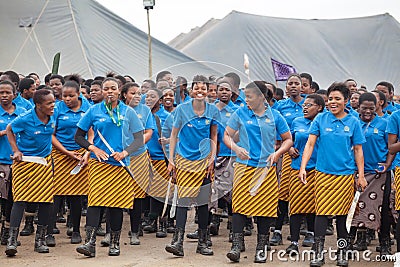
x=239 y=221
x=283 y=208
x=156 y=208
x=93 y=217
x=295 y=224
x=75 y=211
x=17 y=212
x=321 y=224
x=385 y=211
x=135 y=214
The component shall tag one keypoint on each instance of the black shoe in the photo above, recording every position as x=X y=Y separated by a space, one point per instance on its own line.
x=194 y=235
x=76 y=238
x=292 y=250
x=5 y=234
x=248 y=228
x=162 y=229
x=151 y=228
x=308 y=240
x=56 y=231
x=40 y=239
x=89 y=248
x=70 y=230
x=176 y=246
x=28 y=227
x=61 y=219
x=361 y=242
x=134 y=239
x=262 y=243
x=234 y=254
x=329 y=230
x=106 y=240
x=385 y=247
x=100 y=231
x=276 y=239
x=170 y=226
x=202 y=246
x=114 y=248
x=12 y=245
x=50 y=240
x=214 y=225
x=318 y=259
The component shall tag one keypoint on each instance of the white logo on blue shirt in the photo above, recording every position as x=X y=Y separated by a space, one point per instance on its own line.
x=249 y=122
x=288 y=114
x=37 y=132
x=189 y=125
x=302 y=130
x=102 y=119
x=65 y=118
x=346 y=128
x=376 y=130
x=328 y=129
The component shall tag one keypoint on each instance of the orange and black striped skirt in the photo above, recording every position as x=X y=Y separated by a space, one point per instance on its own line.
x=109 y=186
x=159 y=179
x=285 y=177
x=265 y=202
x=301 y=196
x=397 y=188
x=140 y=167
x=333 y=193
x=33 y=182
x=190 y=175
x=66 y=184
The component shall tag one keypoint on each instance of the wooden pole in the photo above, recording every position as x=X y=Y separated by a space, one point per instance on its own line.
x=149 y=43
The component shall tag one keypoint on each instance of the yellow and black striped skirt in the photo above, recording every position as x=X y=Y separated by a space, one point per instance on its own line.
x=397 y=188
x=33 y=182
x=301 y=196
x=109 y=186
x=265 y=202
x=285 y=177
x=190 y=175
x=140 y=167
x=333 y=193
x=159 y=179
x=66 y=184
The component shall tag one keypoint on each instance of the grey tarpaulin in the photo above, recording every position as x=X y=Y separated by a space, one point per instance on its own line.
x=92 y=40
x=366 y=49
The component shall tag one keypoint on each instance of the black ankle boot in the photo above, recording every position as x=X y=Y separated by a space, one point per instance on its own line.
x=361 y=242
x=176 y=246
x=40 y=239
x=385 y=246
x=193 y=235
x=214 y=225
x=237 y=240
x=342 y=257
x=28 y=227
x=162 y=228
x=261 y=256
x=114 y=248
x=4 y=234
x=318 y=259
x=151 y=227
x=89 y=248
x=11 y=248
x=202 y=246
x=209 y=242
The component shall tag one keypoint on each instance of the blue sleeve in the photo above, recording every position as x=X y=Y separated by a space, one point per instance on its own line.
x=135 y=125
x=150 y=122
x=393 y=124
x=167 y=127
x=178 y=118
x=18 y=124
x=216 y=117
x=234 y=121
x=86 y=121
x=358 y=137
x=281 y=125
x=315 y=125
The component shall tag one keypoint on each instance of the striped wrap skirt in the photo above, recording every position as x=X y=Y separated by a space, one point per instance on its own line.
x=301 y=196
x=33 y=182
x=333 y=193
x=265 y=202
x=140 y=167
x=397 y=188
x=159 y=179
x=190 y=175
x=109 y=186
x=66 y=184
x=285 y=177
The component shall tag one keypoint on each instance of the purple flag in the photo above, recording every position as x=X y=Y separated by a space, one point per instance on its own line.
x=282 y=71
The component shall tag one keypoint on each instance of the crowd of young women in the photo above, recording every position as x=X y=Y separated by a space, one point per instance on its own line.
x=146 y=151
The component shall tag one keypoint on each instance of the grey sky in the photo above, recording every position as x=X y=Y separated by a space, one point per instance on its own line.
x=172 y=17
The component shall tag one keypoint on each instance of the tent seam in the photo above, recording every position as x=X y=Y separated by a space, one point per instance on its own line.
x=79 y=38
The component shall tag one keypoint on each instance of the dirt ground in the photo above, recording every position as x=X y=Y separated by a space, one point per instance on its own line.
x=151 y=252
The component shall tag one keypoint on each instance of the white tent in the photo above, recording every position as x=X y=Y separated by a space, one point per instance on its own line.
x=366 y=49
x=92 y=41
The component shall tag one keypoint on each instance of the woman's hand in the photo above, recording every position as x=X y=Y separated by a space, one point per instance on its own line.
x=118 y=156
x=85 y=159
x=17 y=157
x=171 y=165
x=101 y=155
x=74 y=155
x=163 y=141
x=361 y=182
x=303 y=176
x=293 y=152
x=272 y=159
x=242 y=153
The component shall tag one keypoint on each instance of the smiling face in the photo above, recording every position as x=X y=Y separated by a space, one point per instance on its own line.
x=336 y=103
x=47 y=105
x=367 y=111
x=152 y=99
x=168 y=98
x=133 y=96
x=56 y=86
x=212 y=93
x=199 y=91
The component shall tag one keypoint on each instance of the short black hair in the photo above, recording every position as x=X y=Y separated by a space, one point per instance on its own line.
x=57 y=76
x=151 y=82
x=25 y=84
x=200 y=78
x=72 y=84
x=87 y=88
x=307 y=76
x=96 y=82
x=367 y=97
x=388 y=85
x=381 y=96
x=161 y=74
x=340 y=87
x=39 y=95
x=129 y=76
x=120 y=78
x=14 y=77
x=261 y=88
x=279 y=92
x=322 y=92
x=235 y=78
x=315 y=86
x=47 y=78
x=9 y=83
x=317 y=100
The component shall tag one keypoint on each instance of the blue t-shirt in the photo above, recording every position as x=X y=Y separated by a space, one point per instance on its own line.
x=257 y=134
x=194 y=131
x=66 y=123
x=167 y=129
x=390 y=107
x=5 y=119
x=22 y=102
x=33 y=136
x=375 y=148
x=290 y=110
x=155 y=148
x=393 y=127
x=119 y=137
x=241 y=100
x=144 y=114
x=336 y=139
x=226 y=113
x=301 y=127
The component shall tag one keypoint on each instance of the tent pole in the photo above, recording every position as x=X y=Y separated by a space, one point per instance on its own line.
x=149 y=41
